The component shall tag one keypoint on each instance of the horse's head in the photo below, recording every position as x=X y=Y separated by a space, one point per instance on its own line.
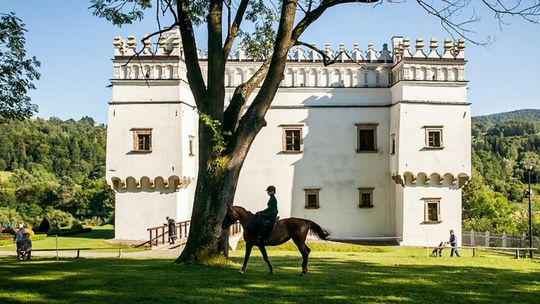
x=230 y=217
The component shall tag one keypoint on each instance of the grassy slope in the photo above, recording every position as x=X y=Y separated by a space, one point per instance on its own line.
x=338 y=275
x=98 y=238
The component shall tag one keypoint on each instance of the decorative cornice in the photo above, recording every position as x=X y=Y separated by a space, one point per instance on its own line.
x=409 y=179
x=171 y=184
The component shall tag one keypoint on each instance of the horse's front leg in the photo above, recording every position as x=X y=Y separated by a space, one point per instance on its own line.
x=246 y=257
x=265 y=257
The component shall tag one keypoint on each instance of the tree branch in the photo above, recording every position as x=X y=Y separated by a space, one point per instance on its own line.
x=194 y=74
x=233 y=32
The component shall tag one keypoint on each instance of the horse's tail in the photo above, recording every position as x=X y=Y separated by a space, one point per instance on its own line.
x=322 y=233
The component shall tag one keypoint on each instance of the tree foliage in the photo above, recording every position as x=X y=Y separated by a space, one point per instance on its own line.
x=16 y=70
x=57 y=170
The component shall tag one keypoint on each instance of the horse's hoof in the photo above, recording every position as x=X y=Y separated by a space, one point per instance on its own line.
x=241 y=272
x=271 y=272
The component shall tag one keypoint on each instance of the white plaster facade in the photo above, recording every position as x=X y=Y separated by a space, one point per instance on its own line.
x=401 y=95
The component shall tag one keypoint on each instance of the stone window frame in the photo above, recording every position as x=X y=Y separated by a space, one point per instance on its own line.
x=136 y=133
x=191 y=145
x=432 y=201
x=312 y=191
x=434 y=129
x=365 y=190
x=393 y=144
x=366 y=126
x=291 y=127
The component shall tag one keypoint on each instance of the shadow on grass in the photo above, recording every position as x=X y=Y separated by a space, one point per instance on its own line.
x=330 y=280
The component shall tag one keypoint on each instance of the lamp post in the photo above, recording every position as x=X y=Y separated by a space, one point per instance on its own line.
x=529 y=194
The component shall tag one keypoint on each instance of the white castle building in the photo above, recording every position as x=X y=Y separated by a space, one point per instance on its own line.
x=375 y=145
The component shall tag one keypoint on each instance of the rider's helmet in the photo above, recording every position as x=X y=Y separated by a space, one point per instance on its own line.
x=271 y=188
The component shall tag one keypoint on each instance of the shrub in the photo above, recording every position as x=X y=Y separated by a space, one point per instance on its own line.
x=54 y=230
x=76 y=226
x=94 y=221
x=8 y=215
x=30 y=232
x=44 y=226
x=59 y=218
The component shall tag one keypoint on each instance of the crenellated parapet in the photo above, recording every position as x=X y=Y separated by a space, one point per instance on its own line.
x=428 y=64
x=410 y=179
x=351 y=67
x=171 y=184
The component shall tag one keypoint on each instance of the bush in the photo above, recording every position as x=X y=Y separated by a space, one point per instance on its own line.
x=54 y=230
x=94 y=221
x=76 y=226
x=8 y=215
x=30 y=232
x=59 y=218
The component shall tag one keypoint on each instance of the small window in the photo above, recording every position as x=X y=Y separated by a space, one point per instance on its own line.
x=365 y=197
x=142 y=140
x=434 y=137
x=393 y=144
x=367 y=138
x=432 y=212
x=312 y=198
x=292 y=138
x=191 y=147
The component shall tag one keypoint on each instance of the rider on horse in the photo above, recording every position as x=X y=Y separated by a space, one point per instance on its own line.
x=263 y=222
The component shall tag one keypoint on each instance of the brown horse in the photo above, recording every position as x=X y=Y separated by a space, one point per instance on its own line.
x=284 y=230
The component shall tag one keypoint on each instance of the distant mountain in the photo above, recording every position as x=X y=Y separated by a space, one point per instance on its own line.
x=525 y=114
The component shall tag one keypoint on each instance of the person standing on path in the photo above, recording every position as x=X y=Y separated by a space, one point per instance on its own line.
x=171 y=223
x=453 y=243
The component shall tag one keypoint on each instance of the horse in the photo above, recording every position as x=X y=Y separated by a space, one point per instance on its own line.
x=284 y=230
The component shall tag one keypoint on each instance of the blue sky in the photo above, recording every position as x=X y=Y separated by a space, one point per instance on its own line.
x=75 y=49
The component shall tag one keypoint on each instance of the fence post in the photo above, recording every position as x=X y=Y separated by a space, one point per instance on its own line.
x=504 y=239
x=472 y=238
x=486 y=243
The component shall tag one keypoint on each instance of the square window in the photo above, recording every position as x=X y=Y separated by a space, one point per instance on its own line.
x=432 y=212
x=365 y=197
x=142 y=140
x=367 y=137
x=292 y=138
x=434 y=137
x=312 y=198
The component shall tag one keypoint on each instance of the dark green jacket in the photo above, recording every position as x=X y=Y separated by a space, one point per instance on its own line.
x=271 y=211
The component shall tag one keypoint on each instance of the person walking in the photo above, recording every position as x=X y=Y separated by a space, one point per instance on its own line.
x=171 y=223
x=454 y=244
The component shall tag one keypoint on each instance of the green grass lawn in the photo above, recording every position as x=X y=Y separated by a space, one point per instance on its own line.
x=99 y=237
x=337 y=274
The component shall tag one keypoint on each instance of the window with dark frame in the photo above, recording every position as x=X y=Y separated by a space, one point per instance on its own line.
x=365 y=197
x=367 y=137
x=292 y=138
x=191 y=147
x=432 y=212
x=434 y=137
x=142 y=140
x=312 y=198
x=393 y=144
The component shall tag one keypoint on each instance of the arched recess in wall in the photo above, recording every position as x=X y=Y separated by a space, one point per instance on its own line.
x=455 y=74
x=422 y=75
x=158 y=72
x=135 y=71
x=147 y=73
x=348 y=78
x=445 y=74
x=288 y=82
x=238 y=77
x=169 y=71
x=336 y=78
x=124 y=72
x=302 y=78
x=433 y=74
x=312 y=79
x=324 y=78
x=413 y=73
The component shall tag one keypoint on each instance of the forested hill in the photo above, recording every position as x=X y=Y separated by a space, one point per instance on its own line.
x=525 y=114
x=53 y=168
x=501 y=146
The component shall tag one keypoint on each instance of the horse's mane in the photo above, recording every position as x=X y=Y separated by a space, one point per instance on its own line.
x=244 y=209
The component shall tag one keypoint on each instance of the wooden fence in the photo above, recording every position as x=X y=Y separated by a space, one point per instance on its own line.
x=160 y=235
x=488 y=239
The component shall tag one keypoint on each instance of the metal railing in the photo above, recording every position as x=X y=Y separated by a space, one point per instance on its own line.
x=489 y=239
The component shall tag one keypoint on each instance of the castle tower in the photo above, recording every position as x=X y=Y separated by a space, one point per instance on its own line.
x=430 y=157
x=151 y=140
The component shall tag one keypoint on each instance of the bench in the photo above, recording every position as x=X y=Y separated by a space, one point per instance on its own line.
x=517 y=250
x=80 y=249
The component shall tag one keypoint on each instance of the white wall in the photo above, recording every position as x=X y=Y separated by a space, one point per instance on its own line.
x=137 y=211
x=329 y=162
